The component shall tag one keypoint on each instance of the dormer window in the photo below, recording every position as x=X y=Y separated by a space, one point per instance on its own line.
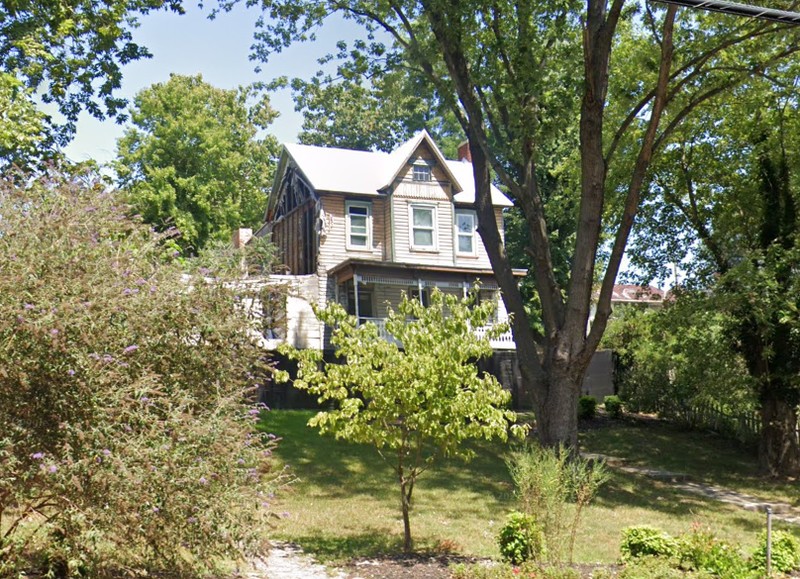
x=359 y=224
x=421 y=172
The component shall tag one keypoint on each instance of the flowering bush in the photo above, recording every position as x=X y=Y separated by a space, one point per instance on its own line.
x=127 y=441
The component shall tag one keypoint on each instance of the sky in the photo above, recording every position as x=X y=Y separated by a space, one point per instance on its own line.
x=218 y=49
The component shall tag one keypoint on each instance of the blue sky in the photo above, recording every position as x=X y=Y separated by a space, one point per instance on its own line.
x=218 y=49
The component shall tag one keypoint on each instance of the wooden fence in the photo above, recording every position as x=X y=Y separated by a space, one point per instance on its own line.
x=744 y=427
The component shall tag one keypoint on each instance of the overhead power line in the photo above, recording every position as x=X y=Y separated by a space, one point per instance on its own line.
x=740 y=10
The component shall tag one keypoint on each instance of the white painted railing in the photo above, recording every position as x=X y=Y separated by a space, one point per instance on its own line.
x=504 y=341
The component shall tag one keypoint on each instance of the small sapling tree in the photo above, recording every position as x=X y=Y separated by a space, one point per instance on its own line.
x=415 y=399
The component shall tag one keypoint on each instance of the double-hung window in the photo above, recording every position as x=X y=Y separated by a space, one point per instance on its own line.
x=466 y=226
x=423 y=227
x=359 y=225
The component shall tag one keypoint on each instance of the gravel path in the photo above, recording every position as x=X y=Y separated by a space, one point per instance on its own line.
x=287 y=561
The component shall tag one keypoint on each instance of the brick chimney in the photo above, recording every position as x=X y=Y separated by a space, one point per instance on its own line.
x=241 y=236
x=464 y=153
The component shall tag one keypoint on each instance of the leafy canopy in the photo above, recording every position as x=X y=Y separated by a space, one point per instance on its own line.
x=415 y=397
x=71 y=52
x=196 y=158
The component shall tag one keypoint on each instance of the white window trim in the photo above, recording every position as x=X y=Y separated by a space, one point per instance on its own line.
x=428 y=248
x=422 y=165
x=457 y=233
x=368 y=206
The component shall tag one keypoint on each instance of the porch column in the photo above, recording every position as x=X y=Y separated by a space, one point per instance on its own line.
x=356 y=279
x=465 y=287
x=419 y=290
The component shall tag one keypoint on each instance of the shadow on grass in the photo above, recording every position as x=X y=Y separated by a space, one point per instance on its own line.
x=344 y=469
x=372 y=543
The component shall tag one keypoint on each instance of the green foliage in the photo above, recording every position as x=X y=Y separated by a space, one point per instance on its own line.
x=24 y=131
x=127 y=439
x=785 y=552
x=587 y=407
x=613 y=406
x=658 y=368
x=521 y=539
x=416 y=403
x=700 y=550
x=643 y=541
x=71 y=53
x=194 y=160
x=554 y=488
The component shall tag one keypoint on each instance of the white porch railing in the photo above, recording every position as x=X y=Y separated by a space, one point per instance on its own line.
x=504 y=341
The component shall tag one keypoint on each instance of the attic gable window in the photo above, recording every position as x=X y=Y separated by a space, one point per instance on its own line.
x=359 y=224
x=421 y=172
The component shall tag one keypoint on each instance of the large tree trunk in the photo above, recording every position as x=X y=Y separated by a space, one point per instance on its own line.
x=557 y=415
x=778 y=447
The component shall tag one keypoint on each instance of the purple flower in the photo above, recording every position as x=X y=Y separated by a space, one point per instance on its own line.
x=131 y=348
x=141 y=281
x=156 y=509
x=240 y=461
x=106 y=452
x=144 y=399
x=202 y=480
x=53 y=468
x=54 y=332
x=191 y=520
x=108 y=358
x=71 y=372
x=37 y=456
x=285 y=515
x=254 y=412
x=29 y=306
x=127 y=291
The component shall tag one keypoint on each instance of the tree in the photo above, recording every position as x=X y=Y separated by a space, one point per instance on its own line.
x=510 y=73
x=727 y=211
x=71 y=53
x=194 y=158
x=128 y=442
x=24 y=135
x=369 y=107
x=414 y=403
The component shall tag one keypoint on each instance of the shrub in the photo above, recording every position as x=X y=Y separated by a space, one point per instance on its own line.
x=521 y=539
x=613 y=406
x=785 y=552
x=554 y=488
x=127 y=438
x=645 y=540
x=700 y=550
x=587 y=407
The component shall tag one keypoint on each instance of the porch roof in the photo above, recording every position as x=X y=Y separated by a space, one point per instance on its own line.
x=392 y=273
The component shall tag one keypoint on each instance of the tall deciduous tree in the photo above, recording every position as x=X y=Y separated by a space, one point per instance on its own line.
x=413 y=404
x=727 y=209
x=24 y=135
x=71 y=53
x=516 y=74
x=196 y=158
x=365 y=106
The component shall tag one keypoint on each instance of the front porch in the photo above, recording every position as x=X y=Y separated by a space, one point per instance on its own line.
x=369 y=289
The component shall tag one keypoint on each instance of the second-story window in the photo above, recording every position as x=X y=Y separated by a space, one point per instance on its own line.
x=466 y=226
x=359 y=224
x=423 y=227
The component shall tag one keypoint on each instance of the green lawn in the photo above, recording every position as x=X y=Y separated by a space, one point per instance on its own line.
x=345 y=503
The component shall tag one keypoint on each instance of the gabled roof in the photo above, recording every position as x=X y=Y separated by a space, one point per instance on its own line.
x=369 y=172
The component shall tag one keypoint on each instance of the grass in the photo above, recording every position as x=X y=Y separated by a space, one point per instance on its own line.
x=345 y=503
